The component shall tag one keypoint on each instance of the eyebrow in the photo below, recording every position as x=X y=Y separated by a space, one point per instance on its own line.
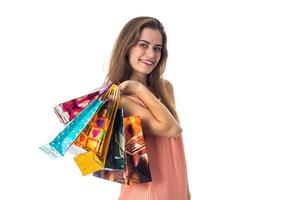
x=149 y=43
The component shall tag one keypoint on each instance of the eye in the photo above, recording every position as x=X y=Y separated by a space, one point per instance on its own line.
x=144 y=45
x=157 y=49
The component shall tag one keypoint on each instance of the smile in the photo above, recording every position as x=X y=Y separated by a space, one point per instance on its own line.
x=147 y=62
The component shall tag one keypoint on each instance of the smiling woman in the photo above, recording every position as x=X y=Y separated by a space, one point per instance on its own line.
x=145 y=55
x=137 y=64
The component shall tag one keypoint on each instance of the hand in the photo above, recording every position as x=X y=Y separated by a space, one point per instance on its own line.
x=129 y=86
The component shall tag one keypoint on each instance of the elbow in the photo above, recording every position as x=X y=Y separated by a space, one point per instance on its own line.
x=175 y=131
x=179 y=131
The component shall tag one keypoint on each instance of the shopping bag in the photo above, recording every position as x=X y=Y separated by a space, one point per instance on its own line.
x=115 y=159
x=60 y=144
x=97 y=133
x=68 y=110
x=137 y=168
x=89 y=162
x=113 y=145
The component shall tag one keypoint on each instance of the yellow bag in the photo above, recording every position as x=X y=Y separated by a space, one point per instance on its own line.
x=88 y=162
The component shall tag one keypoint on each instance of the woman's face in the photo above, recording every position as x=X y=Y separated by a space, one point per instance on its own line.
x=144 y=56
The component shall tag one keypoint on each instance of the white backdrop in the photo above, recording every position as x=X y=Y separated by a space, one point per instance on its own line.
x=234 y=66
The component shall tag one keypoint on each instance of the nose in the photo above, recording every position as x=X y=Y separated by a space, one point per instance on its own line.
x=150 y=52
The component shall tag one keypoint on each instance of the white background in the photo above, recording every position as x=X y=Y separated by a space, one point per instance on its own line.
x=234 y=66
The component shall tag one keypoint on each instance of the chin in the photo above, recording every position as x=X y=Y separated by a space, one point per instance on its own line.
x=145 y=71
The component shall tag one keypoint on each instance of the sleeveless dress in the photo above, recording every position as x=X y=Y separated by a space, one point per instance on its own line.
x=168 y=170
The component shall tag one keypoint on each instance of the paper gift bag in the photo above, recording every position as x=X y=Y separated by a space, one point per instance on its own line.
x=60 y=144
x=68 y=110
x=88 y=162
x=97 y=134
x=116 y=151
x=137 y=168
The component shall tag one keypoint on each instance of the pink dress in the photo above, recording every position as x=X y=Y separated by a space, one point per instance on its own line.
x=168 y=170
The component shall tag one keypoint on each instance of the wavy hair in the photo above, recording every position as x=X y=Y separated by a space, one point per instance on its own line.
x=119 y=66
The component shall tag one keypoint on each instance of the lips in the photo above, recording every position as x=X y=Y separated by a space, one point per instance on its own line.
x=147 y=62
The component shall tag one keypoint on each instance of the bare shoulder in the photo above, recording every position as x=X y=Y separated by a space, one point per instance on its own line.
x=168 y=85
x=169 y=89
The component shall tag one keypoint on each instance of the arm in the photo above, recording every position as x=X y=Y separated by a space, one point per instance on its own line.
x=156 y=118
x=170 y=90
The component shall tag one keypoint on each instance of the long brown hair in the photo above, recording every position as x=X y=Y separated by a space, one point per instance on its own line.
x=119 y=66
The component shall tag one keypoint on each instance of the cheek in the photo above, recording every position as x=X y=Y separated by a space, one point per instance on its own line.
x=135 y=51
x=133 y=57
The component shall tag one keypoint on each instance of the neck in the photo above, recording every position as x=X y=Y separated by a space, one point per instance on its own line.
x=140 y=78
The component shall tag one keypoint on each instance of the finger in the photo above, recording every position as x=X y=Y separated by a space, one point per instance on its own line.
x=122 y=86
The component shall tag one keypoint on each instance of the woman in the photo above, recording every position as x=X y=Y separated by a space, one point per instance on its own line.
x=137 y=63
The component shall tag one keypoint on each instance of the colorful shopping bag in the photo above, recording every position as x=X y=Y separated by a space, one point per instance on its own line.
x=60 y=144
x=137 y=168
x=114 y=145
x=89 y=162
x=115 y=159
x=68 y=110
x=97 y=133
